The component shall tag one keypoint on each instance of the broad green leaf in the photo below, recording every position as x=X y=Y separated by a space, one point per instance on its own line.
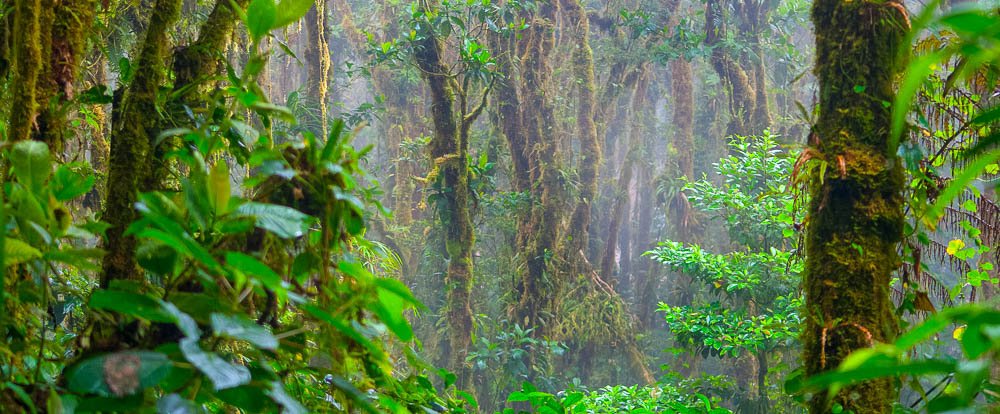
x=261 y=15
x=241 y=327
x=250 y=398
x=17 y=252
x=290 y=11
x=68 y=184
x=251 y=266
x=284 y=222
x=118 y=374
x=131 y=304
x=222 y=373
x=390 y=312
x=31 y=164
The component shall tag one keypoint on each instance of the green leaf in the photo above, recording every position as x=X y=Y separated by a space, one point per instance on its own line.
x=222 y=373
x=219 y=190
x=68 y=184
x=17 y=252
x=31 y=164
x=241 y=327
x=251 y=266
x=290 y=11
x=916 y=74
x=284 y=222
x=118 y=374
x=249 y=398
x=390 y=312
x=131 y=304
x=261 y=17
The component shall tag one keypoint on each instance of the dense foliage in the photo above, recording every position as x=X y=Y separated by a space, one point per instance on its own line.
x=499 y=206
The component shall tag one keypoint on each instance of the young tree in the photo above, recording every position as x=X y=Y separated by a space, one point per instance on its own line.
x=855 y=220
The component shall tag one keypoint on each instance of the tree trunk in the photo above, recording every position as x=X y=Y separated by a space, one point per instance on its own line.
x=590 y=148
x=449 y=149
x=621 y=199
x=317 y=60
x=134 y=128
x=742 y=98
x=48 y=46
x=855 y=214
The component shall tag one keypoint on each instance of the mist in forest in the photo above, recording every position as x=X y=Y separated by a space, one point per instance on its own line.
x=499 y=206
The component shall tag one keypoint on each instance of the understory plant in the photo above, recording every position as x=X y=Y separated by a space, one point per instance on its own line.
x=747 y=302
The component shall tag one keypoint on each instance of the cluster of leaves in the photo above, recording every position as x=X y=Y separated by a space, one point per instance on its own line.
x=682 y=398
x=463 y=25
x=758 y=211
x=509 y=357
x=260 y=302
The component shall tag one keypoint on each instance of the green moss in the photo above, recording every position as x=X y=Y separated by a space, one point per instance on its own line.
x=27 y=67
x=131 y=141
x=855 y=215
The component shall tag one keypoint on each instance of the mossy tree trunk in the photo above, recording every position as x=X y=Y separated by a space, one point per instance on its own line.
x=590 y=147
x=48 y=42
x=317 y=60
x=134 y=129
x=449 y=149
x=742 y=96
x=855 y=220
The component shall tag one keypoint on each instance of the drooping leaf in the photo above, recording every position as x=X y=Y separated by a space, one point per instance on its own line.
x=219 y=188
x=253 y=267
x=284 y=222
x=241 y=327
x=131 y=304
x=222 y=373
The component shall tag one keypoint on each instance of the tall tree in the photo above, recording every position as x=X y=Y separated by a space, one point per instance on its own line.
x=855 y=216
x=449 y=150
x=135 y=128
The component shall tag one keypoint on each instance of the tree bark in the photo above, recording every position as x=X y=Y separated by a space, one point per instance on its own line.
x=449 y=149
x=134 y=129
x=855 y=214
